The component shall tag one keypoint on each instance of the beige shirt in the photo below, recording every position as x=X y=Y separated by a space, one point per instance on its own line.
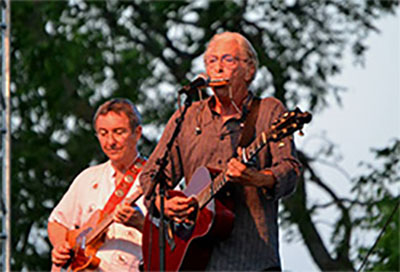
x=89 y=192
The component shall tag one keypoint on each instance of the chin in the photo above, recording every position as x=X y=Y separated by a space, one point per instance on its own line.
x=114 y=157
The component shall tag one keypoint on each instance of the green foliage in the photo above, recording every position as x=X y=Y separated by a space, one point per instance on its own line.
x=68 y=57
x=378 y=196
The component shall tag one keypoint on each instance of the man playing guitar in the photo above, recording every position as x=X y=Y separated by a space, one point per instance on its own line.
x=104 y=188
x=209 y=137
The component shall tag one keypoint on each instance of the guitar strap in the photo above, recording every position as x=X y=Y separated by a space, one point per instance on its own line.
x=249 y=117
x=249 y=125
x=251 y=195
x=124 y=185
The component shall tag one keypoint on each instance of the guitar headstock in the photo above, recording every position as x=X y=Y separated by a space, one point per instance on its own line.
x=288 y=123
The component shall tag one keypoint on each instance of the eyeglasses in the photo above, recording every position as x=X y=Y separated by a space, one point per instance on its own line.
x=227 y=60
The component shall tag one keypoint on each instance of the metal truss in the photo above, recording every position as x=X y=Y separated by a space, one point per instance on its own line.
x=5 y=200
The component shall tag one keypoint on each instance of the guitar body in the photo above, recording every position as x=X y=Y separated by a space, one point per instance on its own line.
x=87 y=240
x=188 y=247
x=84 y=256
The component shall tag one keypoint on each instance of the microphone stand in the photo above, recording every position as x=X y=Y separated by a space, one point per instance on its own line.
x=159 y=178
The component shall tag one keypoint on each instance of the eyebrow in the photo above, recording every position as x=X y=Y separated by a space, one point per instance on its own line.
x=112 y=129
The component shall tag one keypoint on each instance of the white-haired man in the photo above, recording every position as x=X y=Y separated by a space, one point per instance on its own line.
x=209 y=137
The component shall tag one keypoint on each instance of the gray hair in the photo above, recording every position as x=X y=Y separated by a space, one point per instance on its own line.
x=248 y=48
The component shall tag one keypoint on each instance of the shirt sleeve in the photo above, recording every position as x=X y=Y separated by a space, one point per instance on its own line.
x=282 y=162
x=173 y=170
x=68 y=211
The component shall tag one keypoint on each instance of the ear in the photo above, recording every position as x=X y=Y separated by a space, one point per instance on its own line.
x=138 y=132
x=249 y=73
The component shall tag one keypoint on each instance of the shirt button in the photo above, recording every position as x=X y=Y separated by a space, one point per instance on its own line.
x=92 y=207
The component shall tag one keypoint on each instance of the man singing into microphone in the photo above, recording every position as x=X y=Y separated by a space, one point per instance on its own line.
x=209 y=137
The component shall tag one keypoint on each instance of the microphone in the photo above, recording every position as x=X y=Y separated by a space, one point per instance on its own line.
x=201 y=80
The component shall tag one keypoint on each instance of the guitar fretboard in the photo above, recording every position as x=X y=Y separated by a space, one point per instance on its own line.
x=107 y=220
x=285 y=126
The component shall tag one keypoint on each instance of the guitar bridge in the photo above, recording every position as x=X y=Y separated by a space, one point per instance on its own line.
x=169 y=236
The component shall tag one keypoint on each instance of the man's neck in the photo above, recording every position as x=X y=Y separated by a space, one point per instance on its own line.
x=224 y=108
x=224 y=105
x=123 y=166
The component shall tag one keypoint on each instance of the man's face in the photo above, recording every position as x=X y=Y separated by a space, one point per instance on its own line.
x=116 y=139
x=225 y=59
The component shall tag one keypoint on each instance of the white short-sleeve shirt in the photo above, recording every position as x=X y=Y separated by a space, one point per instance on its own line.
x=89 y=192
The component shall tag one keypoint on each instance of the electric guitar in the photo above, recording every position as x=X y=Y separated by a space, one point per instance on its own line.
x=86 y=241
x=179 y=252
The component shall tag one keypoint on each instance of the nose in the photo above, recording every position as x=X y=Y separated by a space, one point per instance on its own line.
x=110 y=138
x=219 y=66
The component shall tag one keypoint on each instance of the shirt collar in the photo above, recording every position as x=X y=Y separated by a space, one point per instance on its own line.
x=113 y=172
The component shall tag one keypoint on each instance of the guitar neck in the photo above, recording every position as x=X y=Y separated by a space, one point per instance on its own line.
x=219 y=181
x=107 y=220
x=285 y=126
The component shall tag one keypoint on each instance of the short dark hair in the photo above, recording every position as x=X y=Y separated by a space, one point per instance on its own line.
x=119 y=105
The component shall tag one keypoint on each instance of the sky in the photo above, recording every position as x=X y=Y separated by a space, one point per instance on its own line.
x=368 y=118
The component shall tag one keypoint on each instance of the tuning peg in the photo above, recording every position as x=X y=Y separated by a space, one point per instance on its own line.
x=301 y=133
